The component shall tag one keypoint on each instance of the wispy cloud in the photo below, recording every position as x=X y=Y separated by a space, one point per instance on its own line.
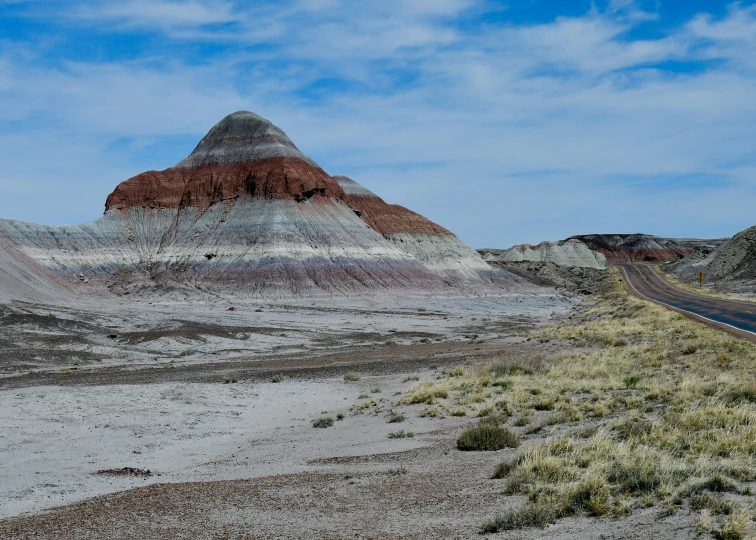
x=157 y=14
x=503 y=132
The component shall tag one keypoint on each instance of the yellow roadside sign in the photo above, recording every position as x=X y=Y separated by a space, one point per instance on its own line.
x=700 y=279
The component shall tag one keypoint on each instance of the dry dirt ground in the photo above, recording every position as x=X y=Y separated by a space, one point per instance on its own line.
x=227 y=449
x=278 y=476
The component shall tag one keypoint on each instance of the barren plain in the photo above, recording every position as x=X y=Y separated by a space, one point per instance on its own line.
x=627 y=421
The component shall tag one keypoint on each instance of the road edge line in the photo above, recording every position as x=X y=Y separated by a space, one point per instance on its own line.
x=627 y=280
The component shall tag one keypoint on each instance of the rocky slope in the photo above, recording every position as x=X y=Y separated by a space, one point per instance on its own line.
x=634 y=247
x=438 y=249
x=245 y=213
x=731 y=260
x=567 y=253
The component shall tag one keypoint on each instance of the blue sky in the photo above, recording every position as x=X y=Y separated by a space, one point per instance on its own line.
x=506 y=122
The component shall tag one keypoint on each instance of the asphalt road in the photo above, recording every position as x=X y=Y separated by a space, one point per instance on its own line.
x=739 y=317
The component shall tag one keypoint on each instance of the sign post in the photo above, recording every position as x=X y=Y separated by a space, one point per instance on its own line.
x=700 y=279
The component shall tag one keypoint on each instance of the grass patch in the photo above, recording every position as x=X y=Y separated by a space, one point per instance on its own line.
x=352 y=376
x=401 y=434
x=525 y=365
x=685 y=435
x=531 y=515
x=715 y=504
x=425 y=393
x=734 y=527
x=399 y=471
x=487 y=436
x=395 y=418
x=742 y=394
x=322 y=422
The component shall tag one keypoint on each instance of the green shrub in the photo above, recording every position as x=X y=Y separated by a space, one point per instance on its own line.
x=487 y=437
x=395 y=418
x=631 y=382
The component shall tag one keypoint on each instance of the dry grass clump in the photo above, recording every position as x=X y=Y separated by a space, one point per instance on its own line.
x=352 y=376
x=395 y=418
x=531 y=515
x=671 y=405
x=734 y=527
x=322 y=422
x=675 y=423
x=488 y=435
x=526 y=365
x=426 y=393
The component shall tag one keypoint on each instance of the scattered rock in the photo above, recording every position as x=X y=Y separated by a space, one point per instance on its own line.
x=126 y=471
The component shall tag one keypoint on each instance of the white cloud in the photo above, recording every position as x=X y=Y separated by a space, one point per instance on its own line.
x=505 y=134
x=157 y=13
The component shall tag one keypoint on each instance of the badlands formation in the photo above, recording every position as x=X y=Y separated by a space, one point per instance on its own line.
x=570 y=265
x=246 y=213
x=245 y=263
x=634 y=247
x=571 y=253
x=728 y=264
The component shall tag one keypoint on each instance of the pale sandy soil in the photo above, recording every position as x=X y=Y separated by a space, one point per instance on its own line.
x=241 y=459
x=93 y=336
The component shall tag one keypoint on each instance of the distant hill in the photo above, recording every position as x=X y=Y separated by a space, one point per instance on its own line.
x=732 y=260
x=569 y=253
x=635 y=247
x=246 y=213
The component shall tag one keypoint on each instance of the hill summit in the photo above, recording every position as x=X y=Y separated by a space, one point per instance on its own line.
x=246 y=212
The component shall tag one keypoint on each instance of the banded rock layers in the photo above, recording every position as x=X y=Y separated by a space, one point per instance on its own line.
x=246 y=213
x=619 y=248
